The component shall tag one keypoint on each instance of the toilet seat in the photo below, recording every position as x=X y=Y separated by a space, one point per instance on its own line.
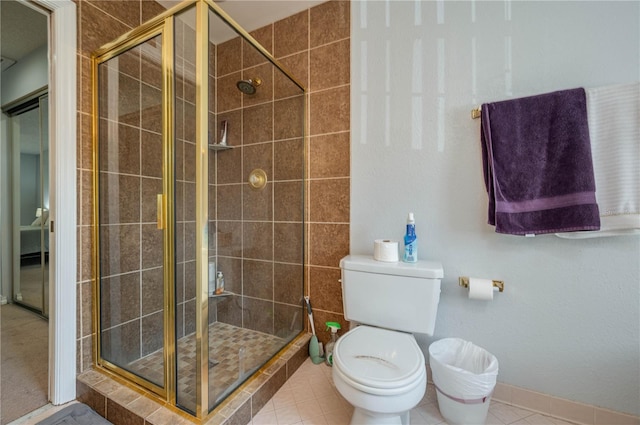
x=379 y=361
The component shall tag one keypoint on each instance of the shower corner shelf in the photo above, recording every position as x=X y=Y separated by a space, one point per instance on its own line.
x=218 y=147
x=224 y=294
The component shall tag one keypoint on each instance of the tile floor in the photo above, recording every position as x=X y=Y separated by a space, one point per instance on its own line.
x=309 y=397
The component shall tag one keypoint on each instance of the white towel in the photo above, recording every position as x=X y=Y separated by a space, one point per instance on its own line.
x=613 y=114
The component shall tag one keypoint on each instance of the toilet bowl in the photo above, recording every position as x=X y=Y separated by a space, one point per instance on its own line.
x=381 y=373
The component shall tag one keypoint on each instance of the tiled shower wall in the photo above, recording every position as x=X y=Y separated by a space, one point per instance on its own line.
x=314 y=46
x=259 y=232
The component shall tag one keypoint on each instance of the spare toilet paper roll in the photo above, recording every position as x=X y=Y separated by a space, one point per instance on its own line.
x=480 y=289
x=385 y=250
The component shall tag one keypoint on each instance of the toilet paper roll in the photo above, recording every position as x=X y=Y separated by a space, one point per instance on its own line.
x=385 y=250
x=480 y=289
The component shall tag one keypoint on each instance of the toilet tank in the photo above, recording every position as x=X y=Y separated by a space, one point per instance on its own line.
x=399 y=296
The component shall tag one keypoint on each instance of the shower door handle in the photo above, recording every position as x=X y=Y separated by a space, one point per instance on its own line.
x=160 y=208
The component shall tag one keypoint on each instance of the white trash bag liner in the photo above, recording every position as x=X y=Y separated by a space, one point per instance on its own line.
x=462 y=370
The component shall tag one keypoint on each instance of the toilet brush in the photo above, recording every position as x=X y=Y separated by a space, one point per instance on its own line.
x=314 y=347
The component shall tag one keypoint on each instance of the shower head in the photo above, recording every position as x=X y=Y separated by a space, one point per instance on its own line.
x=249 y=86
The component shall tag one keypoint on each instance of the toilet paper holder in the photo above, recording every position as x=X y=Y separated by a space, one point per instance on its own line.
x=464 y=282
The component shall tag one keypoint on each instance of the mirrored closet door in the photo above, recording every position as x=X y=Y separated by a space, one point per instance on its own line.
x=30 y=164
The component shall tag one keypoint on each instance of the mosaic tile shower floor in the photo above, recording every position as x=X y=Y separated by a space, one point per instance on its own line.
x=226 y=341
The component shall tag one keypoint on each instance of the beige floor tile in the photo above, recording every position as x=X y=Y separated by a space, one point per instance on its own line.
x=265 y=418
x=288 y=415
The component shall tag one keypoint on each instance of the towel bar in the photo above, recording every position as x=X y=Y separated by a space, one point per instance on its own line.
x=475 y=113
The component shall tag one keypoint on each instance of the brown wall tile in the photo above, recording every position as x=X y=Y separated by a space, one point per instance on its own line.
x=328 y=67
x=329 y=22
x=328 y=244
x=291 y=34
x=151 y=144
x=330 y=155
x=329 y=111
x=230 y=310
x=257 y=204
x=252 y=56
x=287 y=283
x=288 y=160
x=288 y=118
x=121 y=344
x=288 y=240
x=148 y=200
x=98 y=28
x=258 y=315
x=229 y=56
x=85 y=81
x=287 y=201
x=120 y=148
x=229 y=166
x=152 y=333
x=327 y=290
x=150 y=9
x=127 y=258
x=257 y=124
x=86 y=302
x=152 y=248
x=257 y=157
x=257 y=240
x=229 y=202
x=298 y=66
x=120 y=10
x=257 y=278
x=288 y=320
x=329 y=200
x=229 y=238
x=152 y=290
x=120 y=297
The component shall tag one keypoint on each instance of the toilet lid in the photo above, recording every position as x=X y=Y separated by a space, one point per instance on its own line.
x=379 y=358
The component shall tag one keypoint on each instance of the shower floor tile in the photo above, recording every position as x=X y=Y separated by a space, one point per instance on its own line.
x=225 y=343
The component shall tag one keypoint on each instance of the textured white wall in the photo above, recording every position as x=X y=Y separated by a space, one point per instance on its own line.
x=568 y=323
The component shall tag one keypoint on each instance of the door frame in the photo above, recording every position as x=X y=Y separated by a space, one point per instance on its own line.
x=63 y=199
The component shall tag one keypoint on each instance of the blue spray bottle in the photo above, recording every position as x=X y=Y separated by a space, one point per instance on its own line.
x=410 y=241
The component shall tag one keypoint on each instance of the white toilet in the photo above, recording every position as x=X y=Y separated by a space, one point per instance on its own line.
x=378 y=366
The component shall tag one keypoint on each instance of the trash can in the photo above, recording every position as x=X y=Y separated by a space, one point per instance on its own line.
x=465 y=376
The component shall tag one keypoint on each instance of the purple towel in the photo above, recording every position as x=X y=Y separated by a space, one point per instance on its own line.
x=537 y=164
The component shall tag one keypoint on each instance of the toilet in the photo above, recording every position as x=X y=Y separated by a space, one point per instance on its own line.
x=378 y=366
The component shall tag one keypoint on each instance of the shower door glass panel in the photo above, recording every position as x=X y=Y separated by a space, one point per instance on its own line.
x=130 y=164
x=31 y=253
x=255 y=233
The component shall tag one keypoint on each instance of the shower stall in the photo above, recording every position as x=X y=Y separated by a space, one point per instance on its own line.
x=199 y=181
